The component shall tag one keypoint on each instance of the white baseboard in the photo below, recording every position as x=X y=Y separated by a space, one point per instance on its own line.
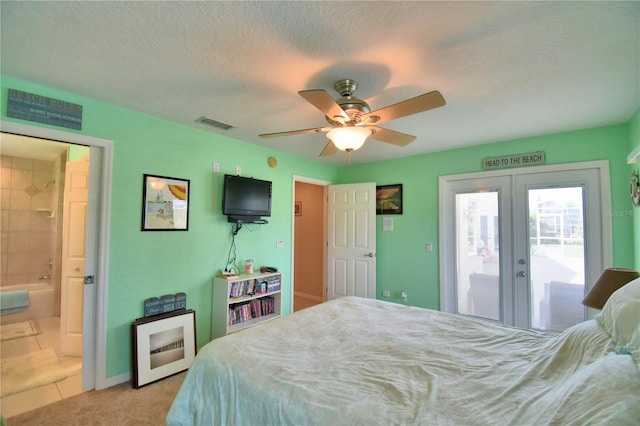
x=116 y=380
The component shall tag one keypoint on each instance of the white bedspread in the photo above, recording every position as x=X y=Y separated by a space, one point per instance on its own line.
x=362 y=361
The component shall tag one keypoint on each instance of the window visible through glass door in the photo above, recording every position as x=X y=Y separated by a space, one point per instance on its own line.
x=478 y=263
x=556 y=257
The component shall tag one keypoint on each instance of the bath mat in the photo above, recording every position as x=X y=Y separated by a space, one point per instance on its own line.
x=16 y=330
x=30 y=371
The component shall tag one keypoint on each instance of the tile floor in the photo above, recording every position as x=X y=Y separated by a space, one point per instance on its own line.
x=21 y=402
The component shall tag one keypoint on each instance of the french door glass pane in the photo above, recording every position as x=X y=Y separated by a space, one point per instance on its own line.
x=557 y=257
x=478 y=254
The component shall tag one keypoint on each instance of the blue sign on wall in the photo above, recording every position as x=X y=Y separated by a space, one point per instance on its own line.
x=41 y=109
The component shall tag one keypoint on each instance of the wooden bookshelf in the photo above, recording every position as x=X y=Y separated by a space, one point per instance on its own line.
x=238 y=302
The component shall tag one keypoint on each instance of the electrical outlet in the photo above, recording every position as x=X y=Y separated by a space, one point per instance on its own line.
x=429 y=247
x=386 y=293
x=403 y=296
x=216 y=167
x=238 y=170
x=279 y=244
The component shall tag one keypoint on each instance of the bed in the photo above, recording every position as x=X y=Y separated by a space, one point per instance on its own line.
x=362 y=361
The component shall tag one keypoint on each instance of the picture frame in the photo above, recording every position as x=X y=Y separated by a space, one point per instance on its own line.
x=389 y=199
x=297 y=208
x=165 y=203
x=163 y=345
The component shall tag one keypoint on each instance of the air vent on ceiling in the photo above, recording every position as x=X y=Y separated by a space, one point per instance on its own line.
x=215 y=123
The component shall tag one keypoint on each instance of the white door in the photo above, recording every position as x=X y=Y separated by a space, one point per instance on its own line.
x=558 y=246
x=479 y=211
x=522 y=247
x=76 y=191
x=351 y=240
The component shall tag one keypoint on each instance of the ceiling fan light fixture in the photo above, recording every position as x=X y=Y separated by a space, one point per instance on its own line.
x=349 y=138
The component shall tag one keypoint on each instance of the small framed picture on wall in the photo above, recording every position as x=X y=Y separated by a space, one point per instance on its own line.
x=165 y=204
x=389 y=199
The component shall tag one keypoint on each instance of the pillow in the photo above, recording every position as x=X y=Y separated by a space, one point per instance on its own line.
x=620 y=315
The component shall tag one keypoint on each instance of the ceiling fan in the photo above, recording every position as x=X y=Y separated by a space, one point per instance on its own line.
x=352 y=121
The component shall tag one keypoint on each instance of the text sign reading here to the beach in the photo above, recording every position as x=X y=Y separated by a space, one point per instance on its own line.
x=41 y=109
x=517 y=160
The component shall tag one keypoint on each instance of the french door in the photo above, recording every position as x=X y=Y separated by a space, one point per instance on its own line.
x=522 y=247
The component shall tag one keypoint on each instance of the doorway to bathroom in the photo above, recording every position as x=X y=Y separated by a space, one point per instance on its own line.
x=44 y=198
x=90 y=313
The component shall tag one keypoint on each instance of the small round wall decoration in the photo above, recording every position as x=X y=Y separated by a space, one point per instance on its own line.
x=634 y=188
x=272 y=161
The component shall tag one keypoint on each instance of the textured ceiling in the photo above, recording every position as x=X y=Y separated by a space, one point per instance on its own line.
x=506 y=69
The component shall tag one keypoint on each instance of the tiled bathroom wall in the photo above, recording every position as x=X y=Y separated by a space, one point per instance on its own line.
x=28 y=212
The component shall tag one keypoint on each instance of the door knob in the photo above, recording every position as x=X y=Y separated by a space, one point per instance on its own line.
x=369 y=255
x=522 y=261
x=522 y=274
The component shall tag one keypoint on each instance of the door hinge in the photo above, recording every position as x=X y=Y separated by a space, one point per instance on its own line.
x=89 y=279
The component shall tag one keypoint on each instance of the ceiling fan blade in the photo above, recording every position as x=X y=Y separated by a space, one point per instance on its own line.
x=295 y=132
x=415 y=105
x=328 y=150
x=391 y=136
x=325 y=103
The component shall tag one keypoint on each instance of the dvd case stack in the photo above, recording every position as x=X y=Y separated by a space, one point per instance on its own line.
x=241 y=312
x=273 y=284
x=242 y=288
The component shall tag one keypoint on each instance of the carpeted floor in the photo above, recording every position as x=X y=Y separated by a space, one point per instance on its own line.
x=118 y=405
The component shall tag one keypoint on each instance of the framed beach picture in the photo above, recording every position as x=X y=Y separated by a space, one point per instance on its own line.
x=165 y=204
x=389 y=199
x=163 y=345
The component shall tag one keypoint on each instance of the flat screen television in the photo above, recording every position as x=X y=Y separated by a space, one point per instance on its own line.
x=246 y=199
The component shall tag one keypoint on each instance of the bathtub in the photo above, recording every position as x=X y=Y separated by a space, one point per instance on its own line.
x=41 y=302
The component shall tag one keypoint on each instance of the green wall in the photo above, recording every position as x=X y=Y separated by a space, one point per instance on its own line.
x=634 y=142
x=146 y=264
x=403 y=262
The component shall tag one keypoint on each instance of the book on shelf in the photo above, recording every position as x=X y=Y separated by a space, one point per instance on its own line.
x=245 y=311
x=226 y=276
x=242 y=288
